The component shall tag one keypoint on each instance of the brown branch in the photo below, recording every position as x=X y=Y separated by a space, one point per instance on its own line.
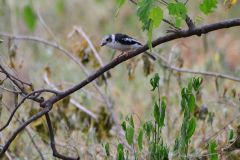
x=25 y=124
x=181 y=34
x=14 y=80
x=203 y=73
x=13 y=77
x=31 y=95
x=53 y=146
x=72 y=100
x=189 y=22
x=28 y=131
x=67 y=53
x=47 y=105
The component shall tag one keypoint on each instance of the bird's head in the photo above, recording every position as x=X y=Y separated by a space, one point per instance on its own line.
x=106 y=40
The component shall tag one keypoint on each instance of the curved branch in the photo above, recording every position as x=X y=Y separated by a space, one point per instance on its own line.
x=53 y=146
x=32 y=95
x=180 y=34
x=47 y=105
x=25 y=124
x=204 y=73
x=66 y=52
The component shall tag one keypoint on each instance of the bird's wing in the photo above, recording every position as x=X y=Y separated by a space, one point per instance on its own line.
x=126 y=40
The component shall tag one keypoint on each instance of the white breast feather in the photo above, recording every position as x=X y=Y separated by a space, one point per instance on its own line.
x=123 y=48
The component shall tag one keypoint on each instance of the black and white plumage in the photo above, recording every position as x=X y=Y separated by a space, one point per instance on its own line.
x=123 y=43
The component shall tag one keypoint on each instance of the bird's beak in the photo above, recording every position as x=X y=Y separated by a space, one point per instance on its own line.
x=103 y=43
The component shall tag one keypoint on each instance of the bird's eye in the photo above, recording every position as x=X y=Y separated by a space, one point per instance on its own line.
x=108 y=39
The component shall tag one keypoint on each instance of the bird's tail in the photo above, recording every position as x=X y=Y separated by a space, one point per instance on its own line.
x=150 y=56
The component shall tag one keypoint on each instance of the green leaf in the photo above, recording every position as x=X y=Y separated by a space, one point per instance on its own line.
x=140 y=139
x=208 y=6
x=156 y=113
x=107 y=149
x=212 y=149
x=120 y=3
x=191 y=103
x=154 y=81
x=190 y=86
x=129 y=134
x=155 y=18
x=156 y=15
x=143 y=10
x=197 y=81
x=131 y=121
x=177 y=9
x=120 y=153
x=162 y=113
x=29 y=17
x=124 y=125
x=178 y=21
x=148 y=127
x=230 y=134
x=191 y=128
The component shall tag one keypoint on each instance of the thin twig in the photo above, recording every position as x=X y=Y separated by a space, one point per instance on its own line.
x=21 y=127
x=204 y=73
x=35 y=94
x=47 y=105
x=9 y=90
x=44 y=24
x=183 y=33
x=221 y=130
x=79 y=30
x=67 y=53
x=73 y=101
x=28 y=130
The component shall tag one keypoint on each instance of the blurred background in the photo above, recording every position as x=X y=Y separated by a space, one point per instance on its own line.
x=127 y=88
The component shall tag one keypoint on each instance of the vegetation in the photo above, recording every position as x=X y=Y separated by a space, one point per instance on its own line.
x=62 y=96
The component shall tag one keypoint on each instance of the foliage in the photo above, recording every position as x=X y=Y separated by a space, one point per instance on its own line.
x=152 y=130
x=150 y=13
x=150 y=16
x=179 y=11
x=188 y=104
x=155 y=124
x=29 y=17
x=208 y=6
x=212 y=150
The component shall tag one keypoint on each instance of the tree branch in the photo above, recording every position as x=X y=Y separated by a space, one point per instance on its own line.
x=47 y=105
x=25 y=124
x=68 y=54
x=204 y=73
x=72 y=100
x=35 y=94
x=53 y=146
x=181 y=34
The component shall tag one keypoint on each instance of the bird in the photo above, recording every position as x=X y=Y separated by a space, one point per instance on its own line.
x=123 y=43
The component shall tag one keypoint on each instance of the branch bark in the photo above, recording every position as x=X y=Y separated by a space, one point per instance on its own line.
x=47 y=104
x=180 y=34
x=53 y=146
